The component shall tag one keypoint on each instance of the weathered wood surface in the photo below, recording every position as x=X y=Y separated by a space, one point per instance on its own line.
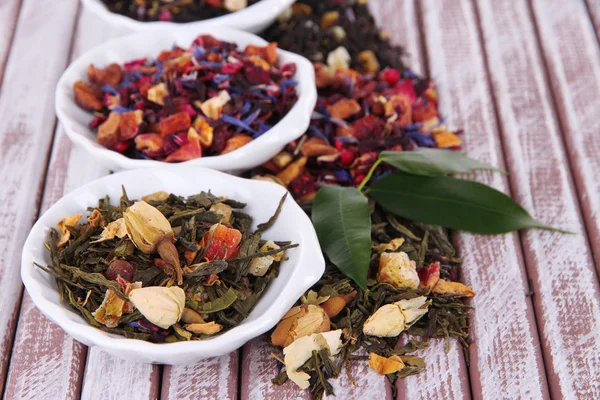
x=493 y=265
x=593 y=7
x=492 y=81
x=563 y=277
x=9 y=11
x=27 y=115
x=572 y=55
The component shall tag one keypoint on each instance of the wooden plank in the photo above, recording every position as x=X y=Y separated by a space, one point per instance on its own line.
x=560 y=267
x=110 y=378
x=511 y=367
x=594 y=10
x=213 y=378
x=105 y=376
x=572 y=55
x=27 y=112
x=9 y=11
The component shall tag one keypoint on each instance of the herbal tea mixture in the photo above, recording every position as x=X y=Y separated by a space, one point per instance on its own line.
x=166 y=268
x=374 y=170
x=176 y=10
x=314 y=28
x=209 y=99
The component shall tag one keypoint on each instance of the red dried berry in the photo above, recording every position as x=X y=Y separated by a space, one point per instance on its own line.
x=346 y=157
x=390 y=75
x=120 y=268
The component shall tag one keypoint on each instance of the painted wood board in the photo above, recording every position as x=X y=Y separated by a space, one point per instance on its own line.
x=572 y=55
x=9 y=11
x=563 y=277
x=27 y=112
x=69 y=168
x=493 y=265
x=593 y=7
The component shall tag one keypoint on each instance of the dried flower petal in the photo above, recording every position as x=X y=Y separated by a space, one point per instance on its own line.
x=162 y=306
x=298 y=352
x=446 y=288
x=385 y=365
x=391 y=319
x=116 y=228
x=64 y=233
x=207 y=328
x=298 y=322
x=96 y=218
x=156 y=196
x=392 y=245
x=398 y=270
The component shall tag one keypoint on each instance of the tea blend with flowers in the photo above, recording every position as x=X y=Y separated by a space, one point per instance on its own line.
x=209 y=99
x=315 y=28
x=176 y=10
x=165 y=268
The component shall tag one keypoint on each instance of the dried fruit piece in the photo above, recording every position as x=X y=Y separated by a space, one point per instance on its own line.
x=129 y=124
x=292 y=171
x=86 y=97
x=157 y=93
x=224 y=210
x=369 y=62
x=212 y=107
x=111 y=75
x=235 y=142
x=314 y=147
x=113 y=307
x=108 y=131
x=224 y=243
x=235 y=5
x=151 y=232
x=64 y=233
x=385 y=365
x=156 y=196
x=445 y=139
x=120 y=268
x=335 y=305
x=189 y=151
x=260 y=265
x=205 y=132
x=430 y=275
x=162 y=306
x=179 y=122
x=149 y=143
x=343 y=108
x=329 y=19
x=338 y=59
x=298 y=322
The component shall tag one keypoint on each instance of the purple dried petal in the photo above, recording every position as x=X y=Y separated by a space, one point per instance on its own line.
x=316 y=132
x=210 y=64
x=109 y=89
x=246 y=107
x=316 y=115
x=339 y=122
x=288 y=82
x=236 y=122
x=421 y=140
x=159 y=71
x=121 y=110
x=262 y=128
x=250 y=118
x=344 y=139
x=343 y=175
x=220 y=78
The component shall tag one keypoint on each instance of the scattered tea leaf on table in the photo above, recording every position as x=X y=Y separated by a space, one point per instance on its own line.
x=343 y=223
x=433 y=162
x=451 y=203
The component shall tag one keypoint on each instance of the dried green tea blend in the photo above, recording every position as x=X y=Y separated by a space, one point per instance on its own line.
x=176 y=10
x=314 y=28
x=165 y=268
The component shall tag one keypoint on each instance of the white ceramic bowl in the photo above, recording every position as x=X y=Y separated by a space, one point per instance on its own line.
x=304 y=267
x=150 y=43
x=252 y=19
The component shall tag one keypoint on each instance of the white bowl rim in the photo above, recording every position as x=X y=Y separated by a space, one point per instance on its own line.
x=310 y=266
x=293 y=125
x=256 y=15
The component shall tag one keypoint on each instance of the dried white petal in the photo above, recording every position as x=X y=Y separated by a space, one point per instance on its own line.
x=116 y=228
x=387 y=321
x=398 y=270
x=297 y=353
x=162 y=306
x=413 y=309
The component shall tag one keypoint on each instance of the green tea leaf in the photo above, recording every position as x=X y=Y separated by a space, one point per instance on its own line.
x=221 y=303
x=343 y=223
x=451 y=203
x=433 y=162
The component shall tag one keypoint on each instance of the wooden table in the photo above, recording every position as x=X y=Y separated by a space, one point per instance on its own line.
x=521 y=77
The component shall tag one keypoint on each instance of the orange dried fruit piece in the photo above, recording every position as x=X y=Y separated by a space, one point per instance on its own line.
x=267 y=53
x=314 y=147
x=445 y=139
x=224 y=243
x=65 y=234
x=446 y=288
x=149 y=142
x=108 y=131
x=235 y=142
x=175 y=123
x=130 y=123
x=86 y=97
x=111 y=75
x=189 y=151
x=343 y=108
x=292 y=171
x=204 y=131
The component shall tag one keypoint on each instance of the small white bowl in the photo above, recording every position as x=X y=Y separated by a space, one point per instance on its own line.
x=150 y=43
x=304 y=267
x=251 y=19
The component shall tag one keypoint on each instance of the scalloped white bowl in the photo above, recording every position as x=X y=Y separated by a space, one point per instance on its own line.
x=150 y=43
x=252 y=19
x=303 y=268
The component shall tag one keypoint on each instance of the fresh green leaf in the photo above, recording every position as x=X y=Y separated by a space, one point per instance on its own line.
x=451 y=203
x=433 y=162
x=342 y=220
